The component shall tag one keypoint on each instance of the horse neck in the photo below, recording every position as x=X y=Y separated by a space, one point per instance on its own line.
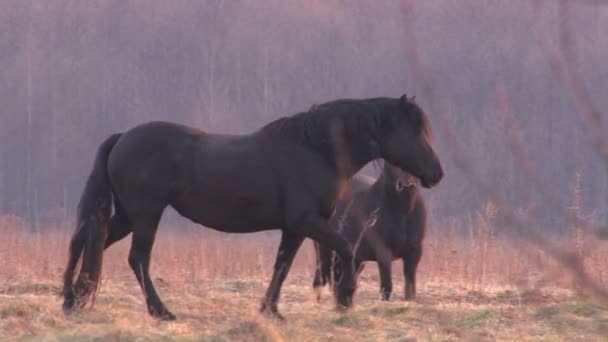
x=355 y=164
x=354 y=154
x=360 y=121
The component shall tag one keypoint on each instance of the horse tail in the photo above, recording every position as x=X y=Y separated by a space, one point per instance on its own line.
x=94 y=210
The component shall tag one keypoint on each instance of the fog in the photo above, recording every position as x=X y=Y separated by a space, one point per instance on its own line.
x=73 y=72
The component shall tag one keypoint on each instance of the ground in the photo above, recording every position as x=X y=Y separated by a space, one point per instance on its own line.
x=226 y=310
x=213 y=282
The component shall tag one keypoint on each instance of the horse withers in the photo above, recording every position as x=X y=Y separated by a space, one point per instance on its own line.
x=384 y=222
x=287 y=175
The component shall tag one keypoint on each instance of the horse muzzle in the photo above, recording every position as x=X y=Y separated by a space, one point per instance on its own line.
x=433 y=180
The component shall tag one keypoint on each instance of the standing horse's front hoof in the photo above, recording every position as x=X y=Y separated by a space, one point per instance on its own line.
x=72 y=302
x=273 y=315
x=271 y=311
x=162 y=314
x=344 y=300
x=167 y=316
x=410 y=292
x=342 y=308
x=318 y=293
x=409 y=297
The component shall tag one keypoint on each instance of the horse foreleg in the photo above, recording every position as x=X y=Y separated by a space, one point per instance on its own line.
x=317 y=281
x=359 y=266
x=386 y=282
x=319 y=230
x=290 y=243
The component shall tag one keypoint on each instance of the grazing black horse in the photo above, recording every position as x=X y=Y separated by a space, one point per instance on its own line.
x=323 y=256
x=384 y=221
x=287 y=175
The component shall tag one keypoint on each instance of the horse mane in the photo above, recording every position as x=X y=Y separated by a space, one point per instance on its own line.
x=313 y=127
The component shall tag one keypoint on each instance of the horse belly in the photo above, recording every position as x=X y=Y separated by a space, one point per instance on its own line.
x=231 y=216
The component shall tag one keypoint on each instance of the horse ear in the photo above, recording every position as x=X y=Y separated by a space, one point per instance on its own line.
x=413 y=98
x=404 y=99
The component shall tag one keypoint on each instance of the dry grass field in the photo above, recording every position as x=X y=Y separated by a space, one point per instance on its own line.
x=231 y=66
x=476 y=290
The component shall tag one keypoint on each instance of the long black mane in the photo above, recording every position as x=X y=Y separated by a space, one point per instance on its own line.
x=312 y=126
x=354 y=118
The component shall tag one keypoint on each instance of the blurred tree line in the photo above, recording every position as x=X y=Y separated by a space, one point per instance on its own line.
x=73 y=72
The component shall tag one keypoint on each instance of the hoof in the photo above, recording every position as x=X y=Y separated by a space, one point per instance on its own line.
x=344 y=303
x=318 y=292
x=342 y=308
x=410 y=292
x=72 y=303
x=162 y=315
x=273 y=315
x=167 y=316
x=68 y=307
x=271 y=312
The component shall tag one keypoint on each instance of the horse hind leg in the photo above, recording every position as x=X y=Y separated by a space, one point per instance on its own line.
x=290 y=243
x=120 y=227
x=139 y=259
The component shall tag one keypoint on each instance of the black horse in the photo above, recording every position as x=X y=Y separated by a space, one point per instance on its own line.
x=323 y=256
x=287 y=175
x=384 y=221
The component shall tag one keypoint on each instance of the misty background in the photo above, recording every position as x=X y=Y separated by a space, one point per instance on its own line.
x=73 y=72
